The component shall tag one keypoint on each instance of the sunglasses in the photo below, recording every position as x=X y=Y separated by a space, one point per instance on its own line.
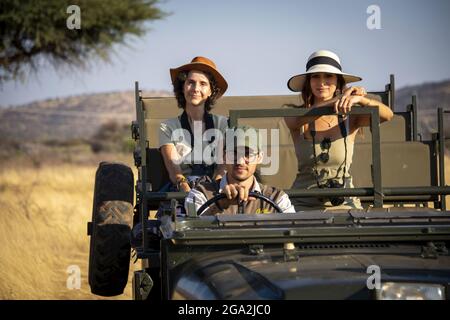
x=232 y=156
x=325 y=145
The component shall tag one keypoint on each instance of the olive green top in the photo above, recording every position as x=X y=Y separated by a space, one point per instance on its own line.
x=332 y=169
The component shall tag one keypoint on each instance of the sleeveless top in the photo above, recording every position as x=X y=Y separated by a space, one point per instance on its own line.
x=331 y=169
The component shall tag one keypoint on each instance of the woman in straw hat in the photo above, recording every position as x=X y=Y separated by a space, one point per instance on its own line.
x=197 y=85
x=324 y=144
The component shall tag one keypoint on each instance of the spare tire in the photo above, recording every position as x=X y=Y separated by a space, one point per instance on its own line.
x=110 y=229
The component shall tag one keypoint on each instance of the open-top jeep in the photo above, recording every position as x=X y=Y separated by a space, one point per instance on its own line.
x=396 y=248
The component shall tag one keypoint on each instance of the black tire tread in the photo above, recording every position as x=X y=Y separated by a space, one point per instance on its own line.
x=112 y=213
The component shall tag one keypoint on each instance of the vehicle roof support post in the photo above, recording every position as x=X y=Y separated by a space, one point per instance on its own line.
x=412 y=110
x=414 y=117
x=435 y=152
x=376 y=158
x=391 y=89
x=296 y=112
x=143 y=144
x=441 y=134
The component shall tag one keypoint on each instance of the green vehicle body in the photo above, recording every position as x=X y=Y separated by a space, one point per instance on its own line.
x=402 y=235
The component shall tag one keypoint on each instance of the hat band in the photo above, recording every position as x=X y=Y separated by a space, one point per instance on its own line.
x=323 y=60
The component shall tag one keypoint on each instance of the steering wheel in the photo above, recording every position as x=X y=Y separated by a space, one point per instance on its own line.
x=221 y=196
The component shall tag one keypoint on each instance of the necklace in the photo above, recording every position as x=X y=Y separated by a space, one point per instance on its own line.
x=327 y=122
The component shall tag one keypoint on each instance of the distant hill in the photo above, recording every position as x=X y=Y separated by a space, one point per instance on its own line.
x=74 y=117
x=80 y=117
x=430 y=96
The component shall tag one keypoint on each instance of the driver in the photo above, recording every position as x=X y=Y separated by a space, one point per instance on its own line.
x=242 y=155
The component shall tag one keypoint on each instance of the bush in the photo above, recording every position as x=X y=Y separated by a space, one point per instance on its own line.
x=112 y=137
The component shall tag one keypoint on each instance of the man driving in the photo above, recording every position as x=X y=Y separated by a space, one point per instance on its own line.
x=242 y=155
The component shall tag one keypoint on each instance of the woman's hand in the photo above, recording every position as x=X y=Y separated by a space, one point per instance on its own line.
x=355 y=91
x=345 y=104
x=184 y=186
x=351 y=96
x=357 y=95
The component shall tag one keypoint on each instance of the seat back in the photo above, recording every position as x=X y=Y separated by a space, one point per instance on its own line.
x=157 y=172
x=161 y=109
x=404 y=162
x=398 y=129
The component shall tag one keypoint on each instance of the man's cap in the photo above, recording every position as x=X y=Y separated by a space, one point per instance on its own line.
x=243 y=136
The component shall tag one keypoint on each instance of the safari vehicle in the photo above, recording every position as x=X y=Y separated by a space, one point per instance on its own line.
x=396 y=248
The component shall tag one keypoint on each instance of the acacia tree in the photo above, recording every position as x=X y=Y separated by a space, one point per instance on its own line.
x=33 y=31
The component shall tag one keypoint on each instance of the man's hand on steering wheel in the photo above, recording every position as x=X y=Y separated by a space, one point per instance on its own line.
x=254 y=195
x=234 y=194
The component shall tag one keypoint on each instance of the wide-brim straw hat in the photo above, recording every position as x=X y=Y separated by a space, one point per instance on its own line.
x=205 y=65
x=320 y=61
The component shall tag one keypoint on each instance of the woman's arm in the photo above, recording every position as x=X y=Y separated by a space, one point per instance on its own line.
x=345 y=104
x=176 y=176
x=295 y=123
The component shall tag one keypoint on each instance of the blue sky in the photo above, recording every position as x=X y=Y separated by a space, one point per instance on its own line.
x=259 y=44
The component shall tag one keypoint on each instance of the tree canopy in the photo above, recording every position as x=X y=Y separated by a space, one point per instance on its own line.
x=36 y=30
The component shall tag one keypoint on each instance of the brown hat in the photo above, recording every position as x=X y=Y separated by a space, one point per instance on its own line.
x=202 y=64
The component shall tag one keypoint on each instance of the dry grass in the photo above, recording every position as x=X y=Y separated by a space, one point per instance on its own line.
x=43 y=231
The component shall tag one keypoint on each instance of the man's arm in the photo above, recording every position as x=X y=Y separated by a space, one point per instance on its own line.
x=174 y=170
x=197 y=198
x=170 y=156
x=285 y=204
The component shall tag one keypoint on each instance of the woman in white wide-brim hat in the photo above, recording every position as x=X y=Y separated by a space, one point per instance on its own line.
x=324 y=144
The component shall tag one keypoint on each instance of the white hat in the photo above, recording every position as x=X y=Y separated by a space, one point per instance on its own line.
x=320 y=61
